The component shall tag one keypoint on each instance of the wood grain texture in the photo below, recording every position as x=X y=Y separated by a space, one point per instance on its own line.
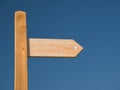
x=53 y=48
x=21 y=73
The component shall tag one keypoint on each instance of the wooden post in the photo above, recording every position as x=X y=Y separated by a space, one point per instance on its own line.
x=21 y=73
x=37 y=47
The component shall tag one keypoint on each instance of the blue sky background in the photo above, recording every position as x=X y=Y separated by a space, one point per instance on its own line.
x=95 y=24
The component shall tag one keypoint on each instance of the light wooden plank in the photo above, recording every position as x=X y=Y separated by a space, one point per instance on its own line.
x=21 y=73
x=53 y=48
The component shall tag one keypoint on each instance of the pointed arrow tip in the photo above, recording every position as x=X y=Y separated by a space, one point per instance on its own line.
x=78 y=48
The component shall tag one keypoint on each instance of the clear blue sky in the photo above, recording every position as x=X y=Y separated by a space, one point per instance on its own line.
x=95 y=24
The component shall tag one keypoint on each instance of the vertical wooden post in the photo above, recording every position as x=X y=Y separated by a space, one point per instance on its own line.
x=21 y=73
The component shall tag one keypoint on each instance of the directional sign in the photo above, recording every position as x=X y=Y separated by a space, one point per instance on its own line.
x=53 y=47
x=36 y=48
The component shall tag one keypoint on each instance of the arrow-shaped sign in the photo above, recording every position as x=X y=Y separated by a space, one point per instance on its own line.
x=53 y=47
x=36 y=48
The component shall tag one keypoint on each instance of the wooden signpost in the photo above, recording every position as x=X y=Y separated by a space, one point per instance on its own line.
x=53 y=47
x=36 y=48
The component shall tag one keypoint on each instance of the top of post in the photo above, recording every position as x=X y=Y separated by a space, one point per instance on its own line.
x=20 y=12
